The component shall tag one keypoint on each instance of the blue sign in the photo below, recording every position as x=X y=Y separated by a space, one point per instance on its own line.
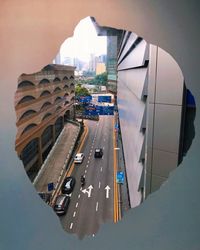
x=104 y=98
x=84 y=99
x=99 y=110
x=50 y=186
x=120 y=177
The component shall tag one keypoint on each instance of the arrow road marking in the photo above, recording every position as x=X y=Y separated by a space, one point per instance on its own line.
x=107 y=188
x=88 y=190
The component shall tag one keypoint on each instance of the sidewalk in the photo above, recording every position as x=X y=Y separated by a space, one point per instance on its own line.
x=55 y=164
x=123 y=188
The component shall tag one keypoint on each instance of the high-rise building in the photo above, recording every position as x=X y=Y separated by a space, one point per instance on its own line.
x=43 y=103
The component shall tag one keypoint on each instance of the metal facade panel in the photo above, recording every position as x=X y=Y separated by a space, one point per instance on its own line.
x=169 y=83
x=134 y=80
x=163 y=162
x=167 y=127
x=129 y=43
x=135 y=58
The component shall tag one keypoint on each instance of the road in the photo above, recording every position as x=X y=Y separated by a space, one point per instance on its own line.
x=93 y=205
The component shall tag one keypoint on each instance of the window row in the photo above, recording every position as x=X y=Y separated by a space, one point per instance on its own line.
x=26 y=83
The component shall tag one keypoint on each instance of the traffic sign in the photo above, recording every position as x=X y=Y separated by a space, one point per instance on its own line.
x=120 y=177
x=50 y=186
x=104 y=98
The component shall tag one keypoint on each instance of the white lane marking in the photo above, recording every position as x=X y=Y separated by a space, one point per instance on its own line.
x=102 y=157
x=85 y=171
x=86 y=166
x=97 y=205
x=90 y=150
x=79 y=196
x=71 y=225
x=93 y=235
x=74 y=214
x=88 y=162
x=103 y=148
x=76 y=204
x=99 y=184
x=81 y=189
x=101 y=169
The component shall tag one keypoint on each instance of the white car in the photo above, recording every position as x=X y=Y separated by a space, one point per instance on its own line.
x=79 y=158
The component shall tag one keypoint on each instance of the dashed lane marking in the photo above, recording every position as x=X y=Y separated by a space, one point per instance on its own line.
x=97 y=205
x=99 y=184
x=79 y=196
x=101 y=169
x=76 y=204
x=74 y=214
x=71 y=225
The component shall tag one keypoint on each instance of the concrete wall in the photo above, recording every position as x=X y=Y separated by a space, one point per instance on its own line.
x=31 y=34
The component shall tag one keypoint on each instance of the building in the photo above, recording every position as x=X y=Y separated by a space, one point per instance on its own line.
x=100 y=68
x=114 y=39
x=43 y=103
x=152 y=128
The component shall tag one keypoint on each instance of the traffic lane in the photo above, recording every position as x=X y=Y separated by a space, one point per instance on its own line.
x=95 y=220
x=100 y=202
x=107 y=171
x=79 y=169
x=90 y=222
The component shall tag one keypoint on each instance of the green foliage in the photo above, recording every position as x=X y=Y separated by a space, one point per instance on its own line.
x=100 y=79
x=81 y=91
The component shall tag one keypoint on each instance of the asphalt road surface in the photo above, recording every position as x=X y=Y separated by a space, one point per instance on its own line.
x=92 y=205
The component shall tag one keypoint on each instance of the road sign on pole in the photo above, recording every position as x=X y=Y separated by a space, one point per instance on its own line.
x=120 y=177
x=50 y=186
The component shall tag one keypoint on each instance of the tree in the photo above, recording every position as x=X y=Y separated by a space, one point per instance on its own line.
x=81 y=91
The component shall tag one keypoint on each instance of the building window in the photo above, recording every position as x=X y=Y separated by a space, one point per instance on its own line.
x=58 y=126
x=30 y=151
x=44 y=81
x=57 y=90
x=56 y=80
x=46 y=116
x=45 y=105
x=27 y=98
x=66 y=87
x=45 y=93
x=30 y=126
x=28 y=113
x=25 y=84
x=65 y=79
x=47 y=135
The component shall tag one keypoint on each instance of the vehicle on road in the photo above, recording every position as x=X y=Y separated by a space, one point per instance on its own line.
x=61 y=204
x=79 y=158
x=98 y=153
x=82 y=181
x=68 y=185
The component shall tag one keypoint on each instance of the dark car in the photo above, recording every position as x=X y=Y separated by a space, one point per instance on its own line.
x=61 y=204
x=68 y=185
x=98 y=153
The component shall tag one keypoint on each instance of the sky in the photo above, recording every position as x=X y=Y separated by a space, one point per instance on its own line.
x=84 y=42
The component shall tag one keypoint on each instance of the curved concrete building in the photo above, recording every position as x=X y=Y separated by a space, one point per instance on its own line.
x=43 y=103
